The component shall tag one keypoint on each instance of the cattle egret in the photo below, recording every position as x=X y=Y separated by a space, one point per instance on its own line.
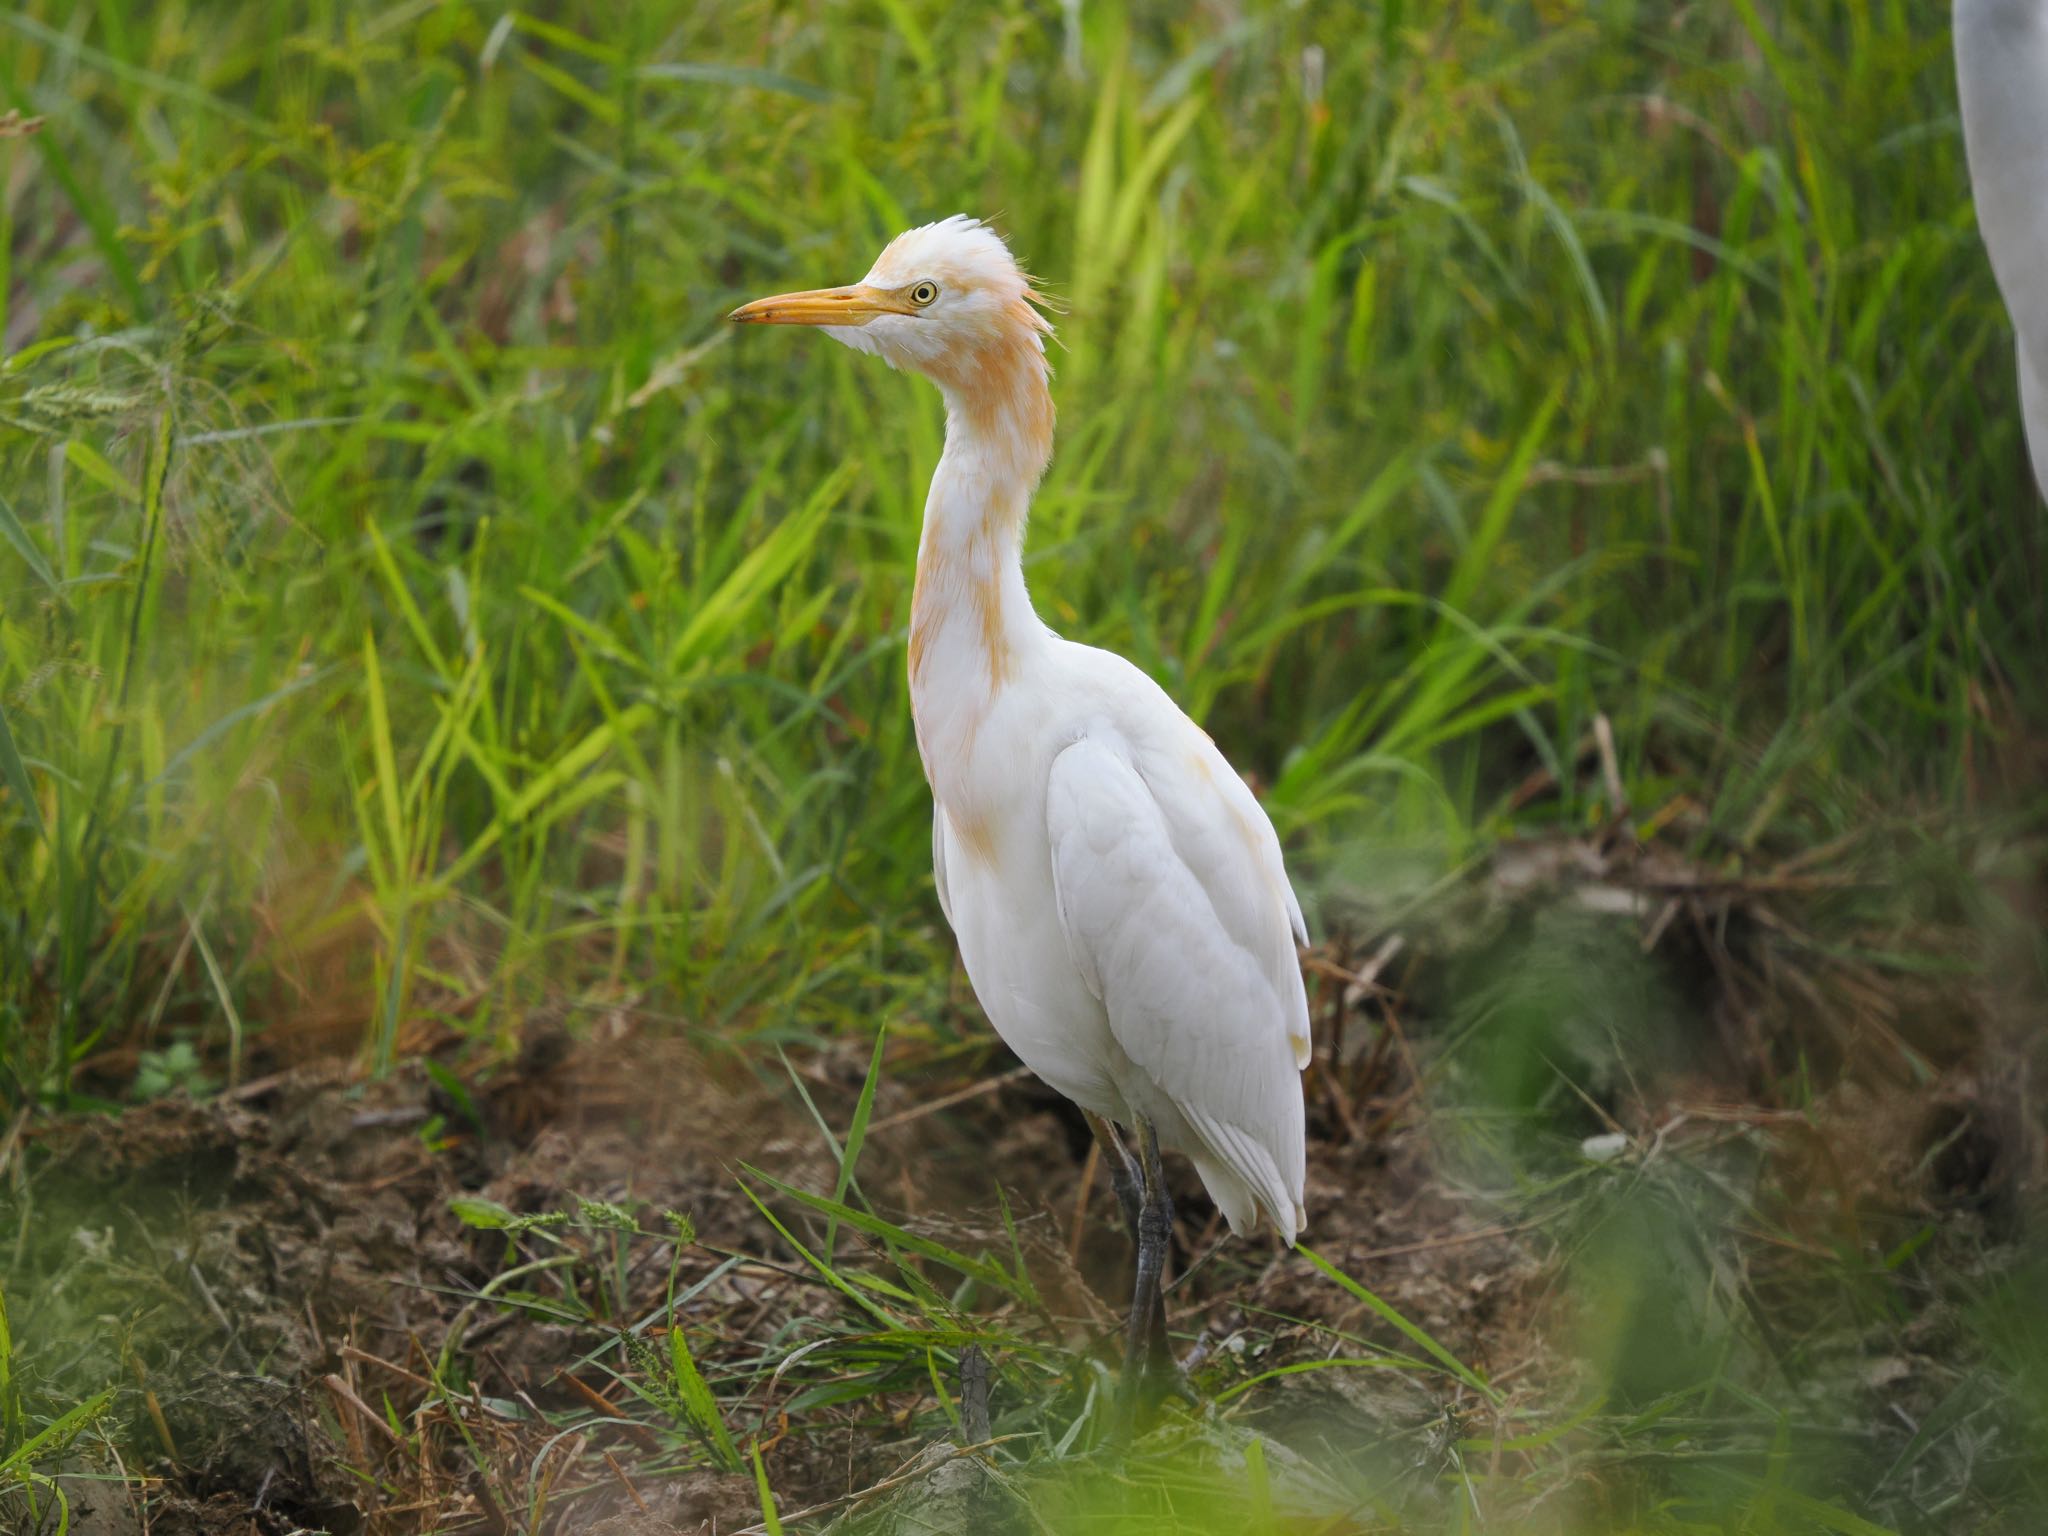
x=2002 y=72
x=1117 y=893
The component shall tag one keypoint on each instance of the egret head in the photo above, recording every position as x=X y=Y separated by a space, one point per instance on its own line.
x=946 y=300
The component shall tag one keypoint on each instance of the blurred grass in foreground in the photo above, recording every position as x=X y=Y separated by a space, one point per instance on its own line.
x=415 y=606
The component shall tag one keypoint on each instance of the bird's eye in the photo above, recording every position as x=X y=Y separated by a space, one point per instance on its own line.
x=923 y=294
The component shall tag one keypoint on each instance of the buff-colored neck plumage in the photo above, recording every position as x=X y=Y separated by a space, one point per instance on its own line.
x=971 y=621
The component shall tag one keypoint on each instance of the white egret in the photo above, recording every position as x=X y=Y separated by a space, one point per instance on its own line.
x=2002 y=73
x=1117 y=893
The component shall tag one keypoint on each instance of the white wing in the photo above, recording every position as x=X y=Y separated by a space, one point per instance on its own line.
x=939 y=863
x=2002 y=73
x=1177 y=912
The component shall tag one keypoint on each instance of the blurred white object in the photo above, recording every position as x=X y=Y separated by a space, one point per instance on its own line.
x=1603 y=1149
x=2002 y=72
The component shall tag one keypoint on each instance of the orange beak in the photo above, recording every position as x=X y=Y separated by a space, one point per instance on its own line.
x=855 y=304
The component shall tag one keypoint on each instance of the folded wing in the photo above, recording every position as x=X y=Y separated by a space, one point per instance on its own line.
x=1178 y=914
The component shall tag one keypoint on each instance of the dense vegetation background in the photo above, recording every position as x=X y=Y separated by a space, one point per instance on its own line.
x=1496 y=423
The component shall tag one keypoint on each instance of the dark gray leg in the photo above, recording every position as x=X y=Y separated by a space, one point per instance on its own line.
x=1145 y=1332
x=1127 y=1178
x=1165 y=1371
x=1124 y=1177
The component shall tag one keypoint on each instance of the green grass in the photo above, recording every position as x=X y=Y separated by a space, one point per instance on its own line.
x=398 y=538
x=416 y=605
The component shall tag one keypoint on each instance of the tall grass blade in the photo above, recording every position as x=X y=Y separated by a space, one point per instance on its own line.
x=16 y=535
x=875 y=1226
x=856 y=1137
x=697 y=1399
x=14 y=774
x=1407 y=1329
x=769 y=1519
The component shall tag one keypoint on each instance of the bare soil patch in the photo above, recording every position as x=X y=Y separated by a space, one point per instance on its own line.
x=265 y=1275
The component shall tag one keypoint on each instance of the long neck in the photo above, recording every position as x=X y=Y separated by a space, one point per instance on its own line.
x=971 y=621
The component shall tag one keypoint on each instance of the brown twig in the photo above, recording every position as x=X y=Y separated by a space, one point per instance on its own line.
x=947 y=1101
x=155 y=1408
x=640 y=1432
x=345 y=1395
x=626 y=1483
x=350 y=1352
x=1079 y=1225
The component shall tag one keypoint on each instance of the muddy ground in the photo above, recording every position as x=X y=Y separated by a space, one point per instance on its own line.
x=261 y=1274
x=290 y=1310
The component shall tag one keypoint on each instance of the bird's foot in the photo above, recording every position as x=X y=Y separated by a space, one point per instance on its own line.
x=1141 y=1392
x=1169 y=1381
x=1166 y=1383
